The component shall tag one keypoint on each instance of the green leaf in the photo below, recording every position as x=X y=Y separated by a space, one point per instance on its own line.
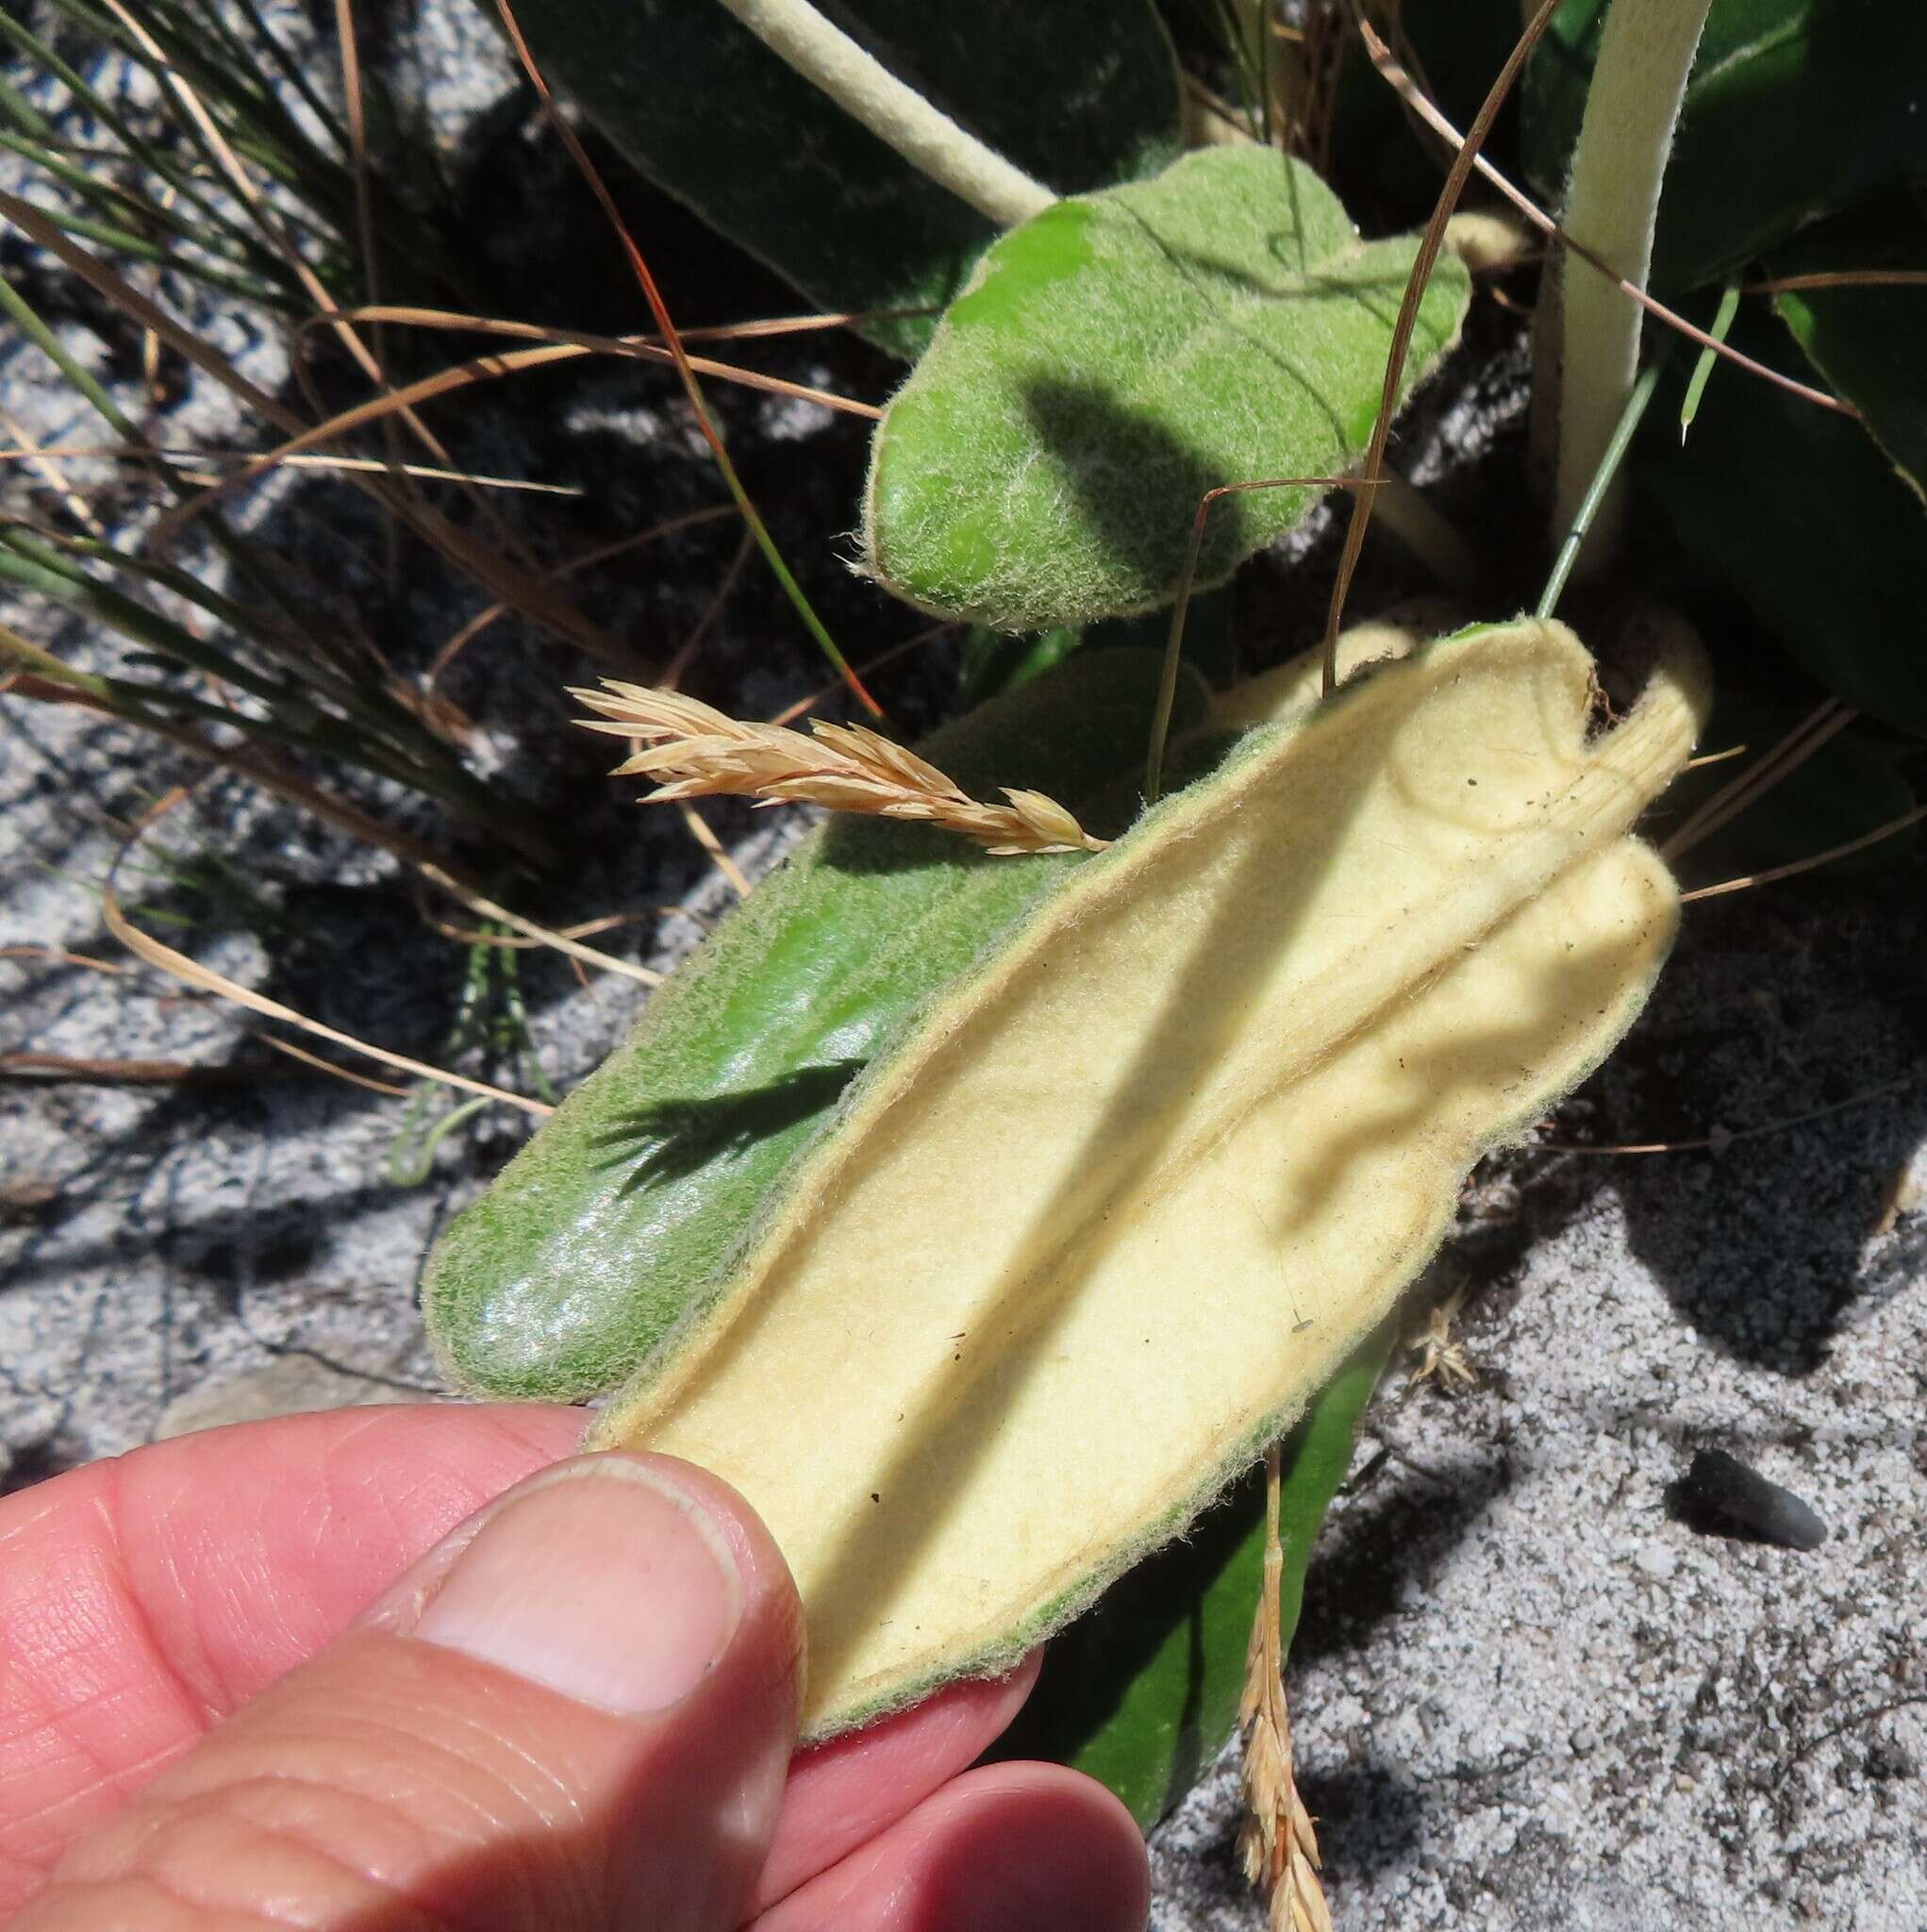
x=1793 y=509
x=593 y=1241
x=1079 y=94
x=1870 y=343
x=1115 y=358
x=1142 y=1691
x=994 y=662
x=1796 y=107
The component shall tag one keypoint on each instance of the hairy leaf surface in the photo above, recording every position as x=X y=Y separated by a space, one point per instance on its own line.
x=1028 y=1305
x=1117 y=355
x=625 y=1206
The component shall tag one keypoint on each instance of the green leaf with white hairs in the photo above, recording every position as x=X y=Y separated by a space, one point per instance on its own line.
x=1117 y=357
x=1078 y=94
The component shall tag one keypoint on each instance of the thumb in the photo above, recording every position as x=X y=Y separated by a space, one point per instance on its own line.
x=572 y=1715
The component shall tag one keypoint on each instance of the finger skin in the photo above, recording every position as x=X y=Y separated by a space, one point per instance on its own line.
x=1009 y=1848
x=843 y=1793
x=143 y=1599
x=403 y=1780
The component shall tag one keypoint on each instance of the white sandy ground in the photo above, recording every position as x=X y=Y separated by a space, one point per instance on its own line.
x=1571 y=1711
x=1525 y=1696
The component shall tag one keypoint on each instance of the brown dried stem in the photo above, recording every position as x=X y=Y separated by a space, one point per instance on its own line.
x=1413 y=97
x=1432 y=241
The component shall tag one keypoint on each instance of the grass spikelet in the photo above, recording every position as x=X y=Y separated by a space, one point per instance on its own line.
x=1278 y=1844
x=695 y=751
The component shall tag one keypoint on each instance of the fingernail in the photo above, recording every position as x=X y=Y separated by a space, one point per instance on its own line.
x=601 y=1581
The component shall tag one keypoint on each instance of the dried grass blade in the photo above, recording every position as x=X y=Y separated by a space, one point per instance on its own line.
x=567 y=347
x=645 y=345
x=27 y=451
x=1840 y=279
x=55 y=1067
x=358 y=155
x=539 y=935
x=1718 y=1142
x=1407 y=319
x=1277 y=1843
x=45 y=464
x=489 y=567
x=323 y=1065
x=1824 y=722
x=60 y=956
x=714 y=849
x=70 y=687
x=515 y=941
x=803 y=706
x=493 y=614
x=1892 y=828
x=1409 y=92
x=699 y=631
x=652 y=294
x=191 y=973
x=231 y=166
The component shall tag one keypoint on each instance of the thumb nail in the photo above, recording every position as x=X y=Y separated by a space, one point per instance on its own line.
x=601 y=1580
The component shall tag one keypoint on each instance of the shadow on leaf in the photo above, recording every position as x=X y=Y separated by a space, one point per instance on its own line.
x=672 y=1139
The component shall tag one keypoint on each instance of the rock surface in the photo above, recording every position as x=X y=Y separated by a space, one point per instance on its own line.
x=1721 y=1495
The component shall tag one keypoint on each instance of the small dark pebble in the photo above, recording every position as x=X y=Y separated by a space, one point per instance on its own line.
x=1720 y=1496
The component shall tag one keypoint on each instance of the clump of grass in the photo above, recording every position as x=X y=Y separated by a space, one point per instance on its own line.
x=216 y=164
x=144 y=172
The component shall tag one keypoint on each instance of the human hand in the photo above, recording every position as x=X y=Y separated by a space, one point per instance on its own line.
x=297 y=1673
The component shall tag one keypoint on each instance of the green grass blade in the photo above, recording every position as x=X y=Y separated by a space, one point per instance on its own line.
x=1703 y=368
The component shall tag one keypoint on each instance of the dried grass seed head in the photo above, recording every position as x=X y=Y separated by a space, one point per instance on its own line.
x=693 y=750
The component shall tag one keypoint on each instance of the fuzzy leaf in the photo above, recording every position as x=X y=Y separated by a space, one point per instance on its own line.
x=1027 y=1305
x=1142 y=1691
x=1794 y=107
x=1079 y=94
x=596 y=1238
x=1114 y=358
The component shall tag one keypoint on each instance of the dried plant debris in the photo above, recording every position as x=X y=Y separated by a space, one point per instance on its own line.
x=1278 y=1845
x=1441 y=1359
x=698 y=751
